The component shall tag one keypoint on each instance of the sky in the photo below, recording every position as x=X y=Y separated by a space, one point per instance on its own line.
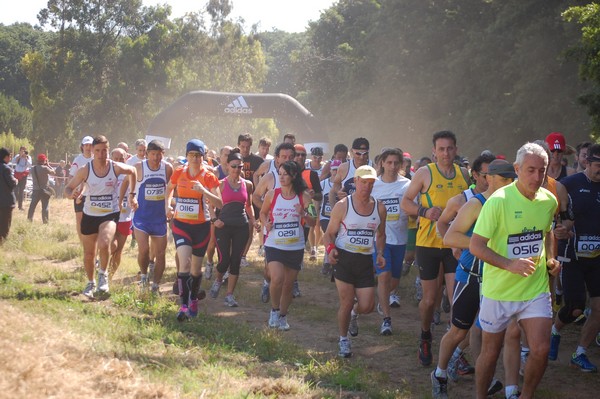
x=286 y=15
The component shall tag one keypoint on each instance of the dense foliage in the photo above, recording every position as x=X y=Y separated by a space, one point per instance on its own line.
x=495 y=72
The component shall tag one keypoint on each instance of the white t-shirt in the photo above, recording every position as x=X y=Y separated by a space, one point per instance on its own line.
x=396 y=223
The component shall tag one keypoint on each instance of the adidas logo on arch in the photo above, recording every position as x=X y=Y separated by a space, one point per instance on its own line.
x=238 y=106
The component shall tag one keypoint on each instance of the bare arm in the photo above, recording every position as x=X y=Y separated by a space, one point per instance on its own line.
x=80 y=177
x=261 y=189
x=264 y=211
x=456 y=235
x=380 y=235
x=262 y=169
x=449 y=213
x=308 y=219
x=335 y=220
x=336 y=188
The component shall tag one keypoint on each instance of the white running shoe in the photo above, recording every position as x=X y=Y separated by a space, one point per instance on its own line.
x=394 y=300
x=244 y=262
x=89 y=289
x=386 y=327
x=274 y=319
x=230 y=301
x=283 y=324
x=345 y=348
x=102 y=281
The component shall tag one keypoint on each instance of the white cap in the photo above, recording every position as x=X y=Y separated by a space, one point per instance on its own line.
x=87 y=140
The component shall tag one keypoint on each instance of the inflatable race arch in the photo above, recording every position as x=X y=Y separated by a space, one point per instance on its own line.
x=282 y=107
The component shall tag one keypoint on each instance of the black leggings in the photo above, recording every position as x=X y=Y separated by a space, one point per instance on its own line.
x=231 y=241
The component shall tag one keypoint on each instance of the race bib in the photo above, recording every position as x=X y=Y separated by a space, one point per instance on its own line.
x=187 y=208
x=392 y=206
x=154 y=192
x=588 y=246
x=526 y=245
x=286 y=233
x=326 y=207
x=360 y=241
x=101 y=203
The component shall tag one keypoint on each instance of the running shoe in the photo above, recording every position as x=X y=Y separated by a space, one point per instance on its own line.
x=208 y=270
x=524 y=356
x=345 y=348
x=313 y=255
x=265 y=294
x=463 y=367
x=437 y=317
x=554 y=344
x=394 y=300
x=495 y=386
x=144 y=282
x=102 y=282
x=283 y=324
x=386 y=327
x=155 y=289
x=379 y=309
x=230 y=301
x=193 y=309
x=261 y=251
x=151 y=267
x=183 y=314
x=214 y=289
x=244 y=262
x=274 y=319
x=425 y=356
x=418 y=289
x=582 y=363
x=515 y=395
x=296 y=290
x=451 y=370
x=406 y=268
x=445 y=302
x=439 y=387
x=353 y=327
x=89 y=289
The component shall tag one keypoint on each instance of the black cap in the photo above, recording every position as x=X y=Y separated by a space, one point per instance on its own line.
x=502 y=169
x=316 y=151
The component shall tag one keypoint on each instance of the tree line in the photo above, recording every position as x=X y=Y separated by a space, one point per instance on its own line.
x=495 y=72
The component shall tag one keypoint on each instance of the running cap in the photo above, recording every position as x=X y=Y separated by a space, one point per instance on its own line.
x=501 y=168
x=335 y=164
x=366 y=172
x=87 y=140
x=318 y=151
x=486 y=152
x=195 y=145
x=42 y=158
x=556 y=141
x=406 y=155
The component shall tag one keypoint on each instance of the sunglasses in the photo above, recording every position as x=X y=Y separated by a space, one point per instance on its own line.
x=194 y=154
x=237 y=166
x=361 y=153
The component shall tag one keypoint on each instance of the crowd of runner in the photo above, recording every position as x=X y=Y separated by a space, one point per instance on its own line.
x=532 y=225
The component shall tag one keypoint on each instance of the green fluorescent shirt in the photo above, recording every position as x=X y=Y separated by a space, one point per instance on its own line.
x=516 y=228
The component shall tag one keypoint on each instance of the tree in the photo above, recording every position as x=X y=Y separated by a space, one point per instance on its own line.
x=587 y=53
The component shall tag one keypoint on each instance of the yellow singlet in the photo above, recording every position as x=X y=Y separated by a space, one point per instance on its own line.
x=438 y=193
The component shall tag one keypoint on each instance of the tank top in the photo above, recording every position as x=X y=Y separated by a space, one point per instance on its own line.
x=190 y=206
x=467 y=263
x=126 y=211
x=272 y=167
x=306 y=178
x=151 y=192
x=396 y=223
x=357 y=232
x=468 y=194
x=287 y=233
x=440 y=190
x=233 y=212
x=348 y=185
x=102 y=195
x=325 y=204
x=307 y=165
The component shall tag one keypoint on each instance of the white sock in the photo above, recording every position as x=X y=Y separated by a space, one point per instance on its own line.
x=580 y=350
x=439 y=373
x=344 y=338
x=554 y=330
x=510 y=390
